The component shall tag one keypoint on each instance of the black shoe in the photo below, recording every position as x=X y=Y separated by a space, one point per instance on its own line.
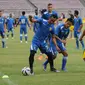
x=55 y=70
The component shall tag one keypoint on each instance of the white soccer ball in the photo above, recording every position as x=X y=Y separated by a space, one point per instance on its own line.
x=26 y=71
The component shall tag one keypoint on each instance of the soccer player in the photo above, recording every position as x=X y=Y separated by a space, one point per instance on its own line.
x=49 y=12
x=62 y=31
x=10 y=26
x=23 y=21
x=46 y=27
x=2 y=29
x=77 y=29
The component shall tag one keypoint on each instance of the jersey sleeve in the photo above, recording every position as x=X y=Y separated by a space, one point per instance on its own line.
x=40 y=20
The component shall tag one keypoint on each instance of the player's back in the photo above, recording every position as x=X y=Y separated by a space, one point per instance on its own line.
x=23 y=21
x=44 y=30
x=2 y=21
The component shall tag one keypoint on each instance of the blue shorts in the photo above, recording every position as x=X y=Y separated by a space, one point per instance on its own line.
x=10 y=29
x=61 y=46
x=53 y=49
x=2 y=34
x=77 y=34
x=23 y=30
x=41 y=45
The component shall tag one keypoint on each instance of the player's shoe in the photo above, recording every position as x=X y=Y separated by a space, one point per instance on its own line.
x=31 y=74
x=7 y=38
x=44 y=67
x=65 y=70
x=55 y=70
x=20 y=41
x=12 y=37
x=26 y=42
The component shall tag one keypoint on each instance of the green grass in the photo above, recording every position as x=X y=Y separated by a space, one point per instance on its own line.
x=15 y=57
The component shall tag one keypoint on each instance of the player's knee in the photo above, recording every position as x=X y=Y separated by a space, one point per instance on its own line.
x=54 y=57
x=32 y=53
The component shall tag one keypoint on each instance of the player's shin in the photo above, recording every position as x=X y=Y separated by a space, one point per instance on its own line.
x=82 y=43
x=20 y=37
x=64 y=61
x=77 y=44
x=31 y=60
x=26 y=37
x=3 y=43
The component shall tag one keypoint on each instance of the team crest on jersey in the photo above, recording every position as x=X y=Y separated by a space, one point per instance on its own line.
x=50 y=29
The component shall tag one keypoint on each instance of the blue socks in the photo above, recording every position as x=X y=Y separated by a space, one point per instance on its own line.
x=77 y=44
x=64 y=61
x=26 y=37
x=46 y=62
x=82 y=43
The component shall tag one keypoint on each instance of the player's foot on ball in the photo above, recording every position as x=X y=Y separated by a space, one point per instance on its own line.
x=55 y=70
x=44 y=67
x=32 y=73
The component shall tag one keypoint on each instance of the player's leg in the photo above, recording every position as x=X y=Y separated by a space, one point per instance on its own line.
x=12 y=33
x=33 y=50
x=77 y=41
x=3 y=39
x=45 y=50
x=82 y=42
x=65 y=56
x=8 y=33
x=25 y=34
x=64 y=60
x=53 y=50
x=21 y=34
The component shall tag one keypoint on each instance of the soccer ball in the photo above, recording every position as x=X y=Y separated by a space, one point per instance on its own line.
x=26 y=71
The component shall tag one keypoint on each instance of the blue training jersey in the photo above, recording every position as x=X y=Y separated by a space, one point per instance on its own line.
x=44 y=30
x=2 y=22
x=23 y=22
x=47 y=15
x=35 y=25
x=10 y=22
x=77 y=23
x=61 y=32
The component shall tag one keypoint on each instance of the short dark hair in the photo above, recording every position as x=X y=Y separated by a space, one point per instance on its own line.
x=49 y=4
x=71 y=20
x=23 y=12
x=43 y=10
x=76 y=12
x=54 y=16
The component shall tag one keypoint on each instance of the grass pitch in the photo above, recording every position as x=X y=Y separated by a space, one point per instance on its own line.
x=15 y=57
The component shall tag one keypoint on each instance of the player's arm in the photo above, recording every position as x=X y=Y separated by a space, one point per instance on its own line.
x=83 y=34
x=81 y=25
x=31 y=18
x=57 y=33
x=54 y=41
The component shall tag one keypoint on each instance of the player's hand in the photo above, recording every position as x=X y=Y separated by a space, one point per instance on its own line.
x=64 y=41
x=79 y=30
x=80 y=39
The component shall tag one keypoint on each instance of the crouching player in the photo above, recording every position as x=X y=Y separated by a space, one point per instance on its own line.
x=62 y=32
